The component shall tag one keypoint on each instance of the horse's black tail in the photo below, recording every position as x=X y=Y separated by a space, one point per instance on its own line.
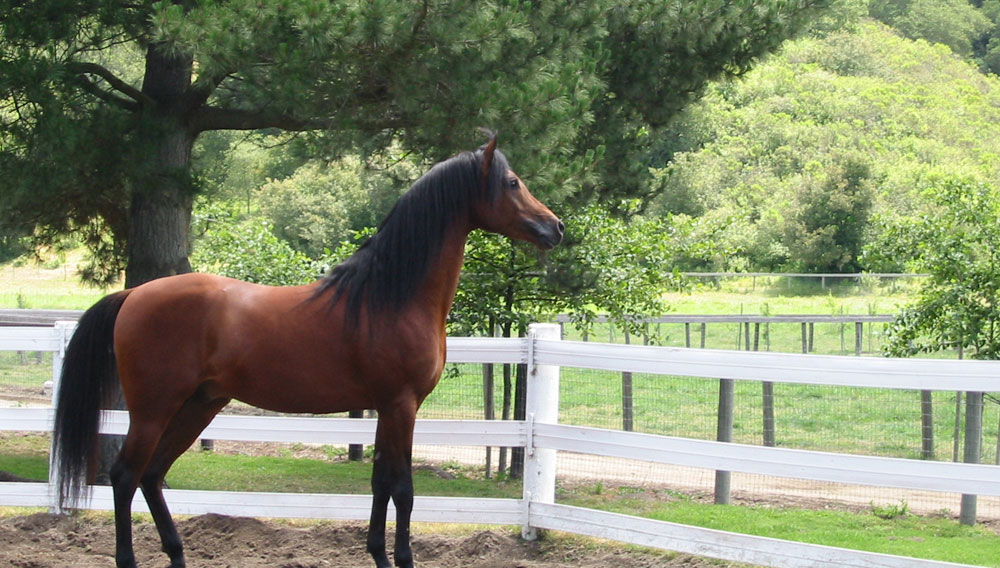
x=89 y=374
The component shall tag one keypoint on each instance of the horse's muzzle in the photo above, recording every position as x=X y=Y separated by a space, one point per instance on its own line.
x=548 y=234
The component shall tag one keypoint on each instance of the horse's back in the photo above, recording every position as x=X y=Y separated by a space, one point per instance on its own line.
x=178 y=308
x=273 y=347
x=177 y=325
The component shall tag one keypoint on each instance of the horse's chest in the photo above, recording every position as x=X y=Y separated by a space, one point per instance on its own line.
x=414 y=369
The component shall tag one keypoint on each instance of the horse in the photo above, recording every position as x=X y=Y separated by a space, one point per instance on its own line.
x=368 y=335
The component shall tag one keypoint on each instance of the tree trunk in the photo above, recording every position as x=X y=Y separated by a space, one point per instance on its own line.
x=160 y=211
x=159 y=225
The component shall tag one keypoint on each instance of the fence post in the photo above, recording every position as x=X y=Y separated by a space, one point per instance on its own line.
x=724 y=433
x=489 y=412
x=355 y=452
x=628 y=415
x=927 y=425
x=63 y=331
x=973 y=449
x=541 y=407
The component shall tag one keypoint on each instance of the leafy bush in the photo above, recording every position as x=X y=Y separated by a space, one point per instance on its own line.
x=607 y=264
x=959 y=245
x=790 y=161
x=248 y=250
x=322 y=203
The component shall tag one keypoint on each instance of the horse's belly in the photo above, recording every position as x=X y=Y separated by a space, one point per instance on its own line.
x=304 y=397
x=293 y=381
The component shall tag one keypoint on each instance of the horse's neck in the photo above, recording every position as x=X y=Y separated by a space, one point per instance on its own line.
x=437 y=293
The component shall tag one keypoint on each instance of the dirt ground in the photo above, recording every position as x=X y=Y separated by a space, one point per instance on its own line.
x=56 y=541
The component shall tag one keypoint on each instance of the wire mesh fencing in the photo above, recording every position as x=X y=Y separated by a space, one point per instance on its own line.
x=23 y=378
x=849 y=420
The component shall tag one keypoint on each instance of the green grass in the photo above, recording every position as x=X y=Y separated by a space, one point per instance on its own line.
x=26 y=456
x=935 y=538
x=54 y=285
x=210 y=471
x=24 y=370
x=28 y=467
x=888 y=530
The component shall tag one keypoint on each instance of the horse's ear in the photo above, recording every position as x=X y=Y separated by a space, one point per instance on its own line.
x=488 y=151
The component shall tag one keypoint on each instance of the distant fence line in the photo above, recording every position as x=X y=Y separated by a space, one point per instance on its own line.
x=736 y=318
x=751 y=341
x=822 y=276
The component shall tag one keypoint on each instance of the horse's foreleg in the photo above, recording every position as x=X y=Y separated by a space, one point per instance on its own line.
x=380 y=502
x=184 y=428
x=402 y=497
x=392 y=478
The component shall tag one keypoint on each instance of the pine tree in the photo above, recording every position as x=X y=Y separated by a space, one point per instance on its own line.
x=102 y=102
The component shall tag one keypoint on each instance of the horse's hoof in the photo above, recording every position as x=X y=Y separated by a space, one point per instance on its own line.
x=381 y=561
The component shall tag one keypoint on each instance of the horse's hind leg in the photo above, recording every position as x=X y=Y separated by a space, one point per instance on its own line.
x=196 y=413
x=136 y=452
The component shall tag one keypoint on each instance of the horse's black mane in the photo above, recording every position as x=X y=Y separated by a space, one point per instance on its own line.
x=385 y=272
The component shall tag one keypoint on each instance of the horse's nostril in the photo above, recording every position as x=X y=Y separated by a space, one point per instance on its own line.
x=560 y=226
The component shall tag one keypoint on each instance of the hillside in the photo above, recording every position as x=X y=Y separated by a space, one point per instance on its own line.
x=792 y=162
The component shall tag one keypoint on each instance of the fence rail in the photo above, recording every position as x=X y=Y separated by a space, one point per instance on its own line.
x=33 y=317
x=832 y=370
x=746 y=318
x=542 y=436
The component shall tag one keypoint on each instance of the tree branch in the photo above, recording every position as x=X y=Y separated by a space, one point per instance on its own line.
x=83 y=68
x=198 y=94
x=418 y=25
x=106 y=96
x=215 y=118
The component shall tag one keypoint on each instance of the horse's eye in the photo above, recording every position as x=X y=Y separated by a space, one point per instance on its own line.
x=513 y=183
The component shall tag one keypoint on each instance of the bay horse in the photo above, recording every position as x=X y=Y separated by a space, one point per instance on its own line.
x=369 y=335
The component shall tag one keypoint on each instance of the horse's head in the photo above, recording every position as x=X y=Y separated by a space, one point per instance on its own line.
x=511 y=210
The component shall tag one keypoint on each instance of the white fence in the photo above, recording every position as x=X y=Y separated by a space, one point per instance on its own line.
x=542 y=436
